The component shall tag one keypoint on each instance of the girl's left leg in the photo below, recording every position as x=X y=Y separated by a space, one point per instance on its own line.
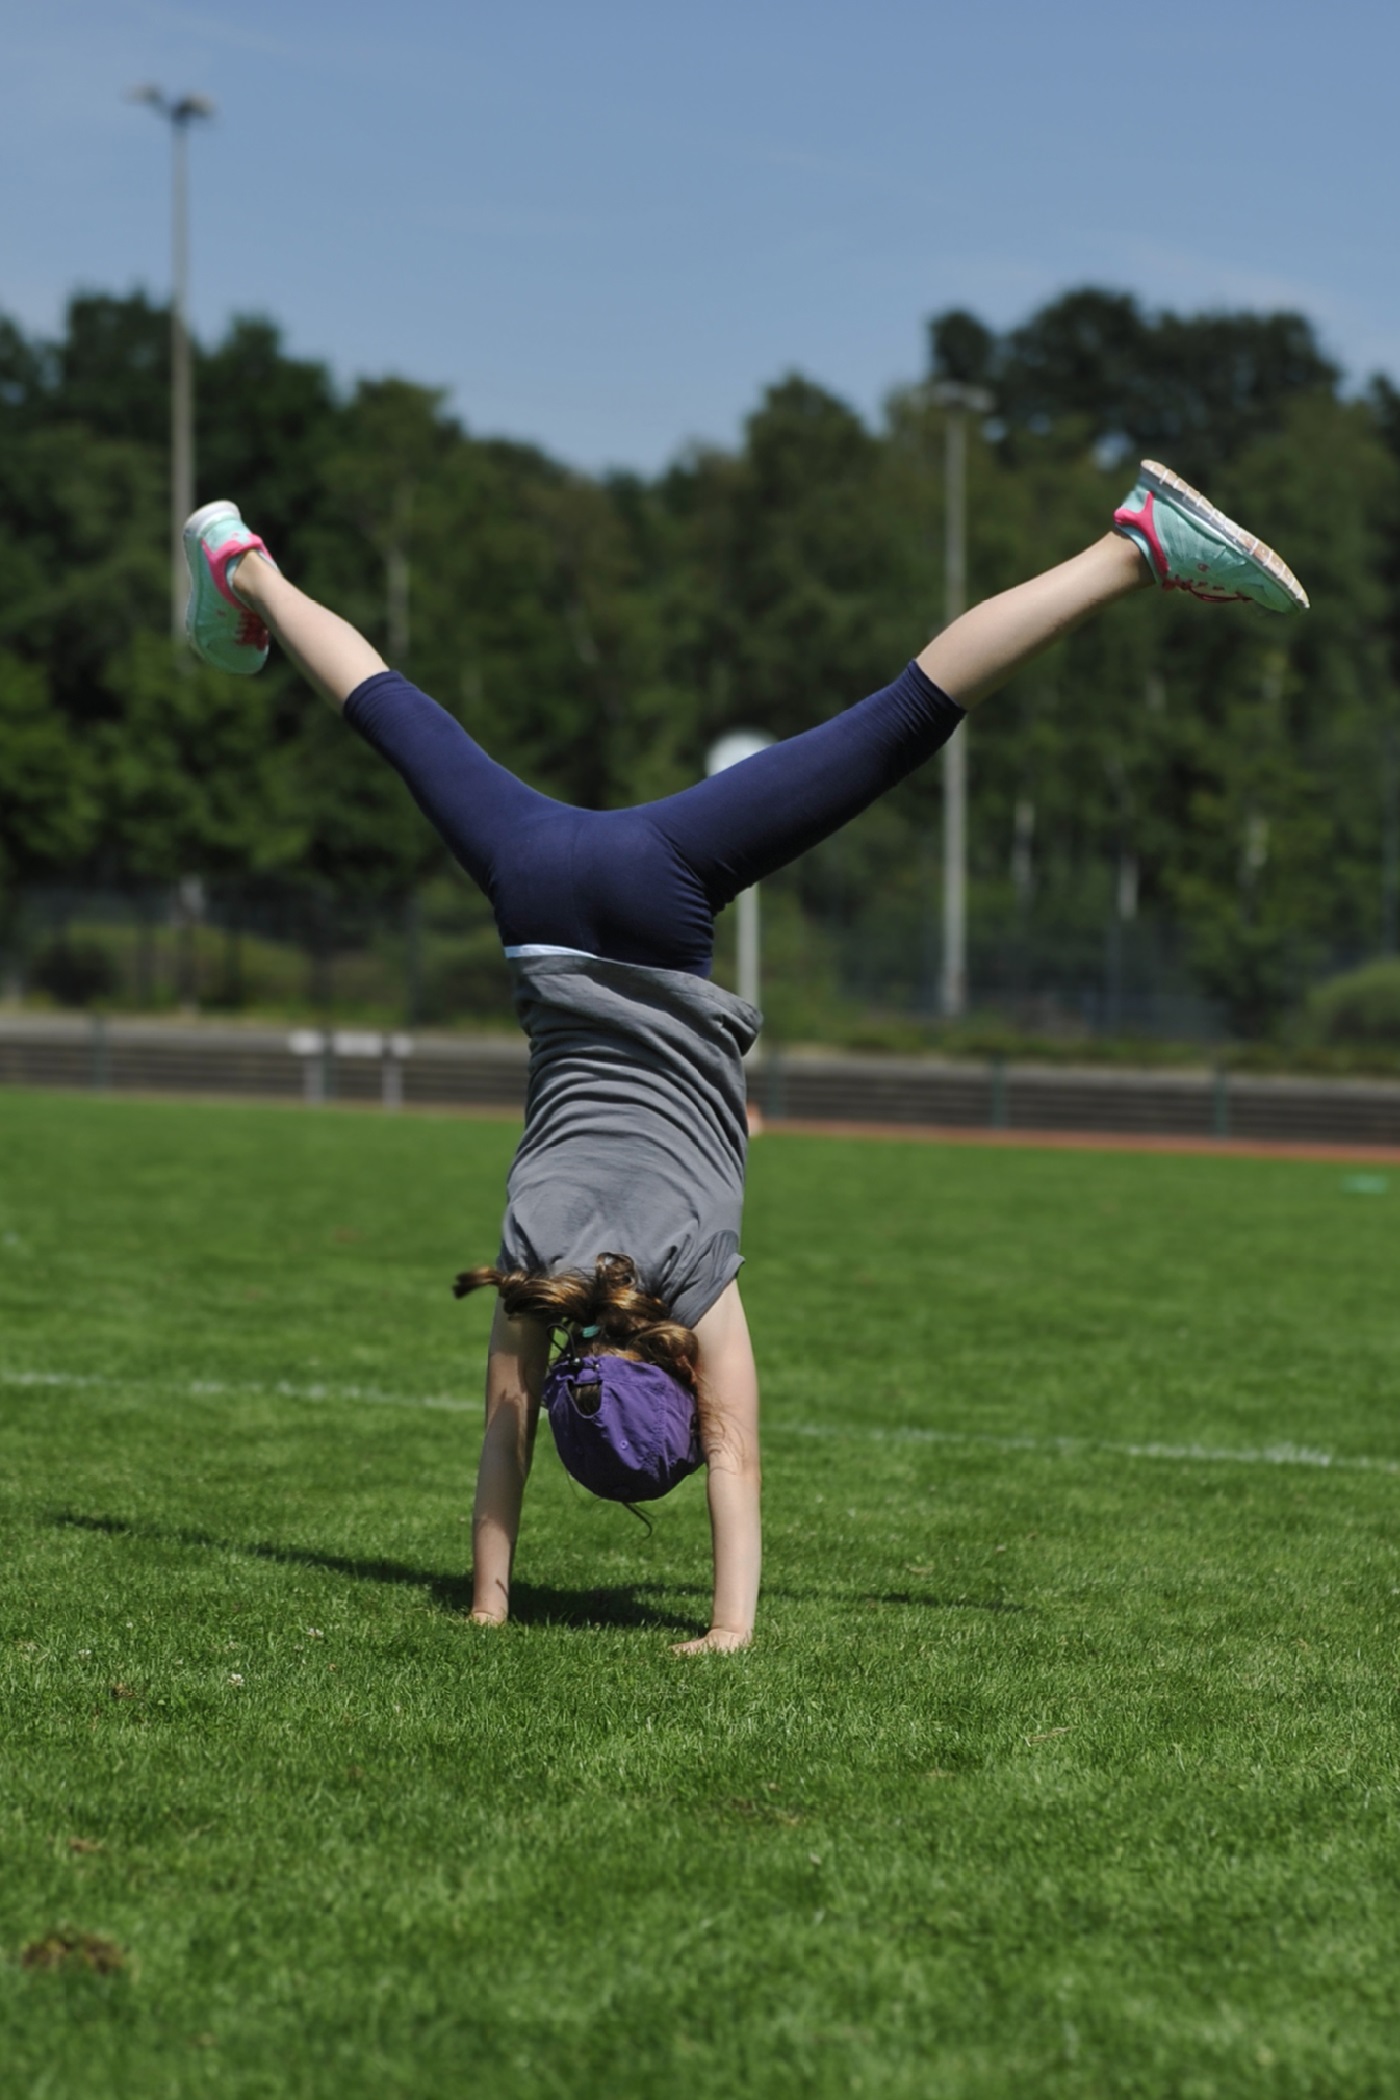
x=479 y=808
x=599 y=882
x=330 y=654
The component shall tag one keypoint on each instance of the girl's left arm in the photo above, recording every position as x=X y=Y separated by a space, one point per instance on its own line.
x=729 y=1429
x=515 y=1366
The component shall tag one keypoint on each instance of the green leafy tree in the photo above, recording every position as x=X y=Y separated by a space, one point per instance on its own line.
x=265 y=425
x=1226 y=787
x=82 y=552
x=47 y=804
x=191 y=778
x=1194 y=389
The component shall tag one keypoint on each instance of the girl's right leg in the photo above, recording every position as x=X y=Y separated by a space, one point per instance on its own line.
x=989 y=644
x=759 y=815
x=741 y=825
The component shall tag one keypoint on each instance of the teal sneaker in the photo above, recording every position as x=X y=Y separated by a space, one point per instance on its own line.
x=221 y=630
x=1189 y=545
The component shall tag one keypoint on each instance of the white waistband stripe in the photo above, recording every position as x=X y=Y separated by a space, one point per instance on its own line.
x=543 y=948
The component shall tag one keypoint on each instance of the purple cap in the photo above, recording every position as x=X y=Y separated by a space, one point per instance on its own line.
x=627 y=1431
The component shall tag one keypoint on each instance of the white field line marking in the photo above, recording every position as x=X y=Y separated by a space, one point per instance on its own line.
x=1058 y=1446
x=1085 y=1446
x=216 y=1388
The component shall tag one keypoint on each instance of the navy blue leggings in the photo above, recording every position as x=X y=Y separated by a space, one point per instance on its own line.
x=643 y=885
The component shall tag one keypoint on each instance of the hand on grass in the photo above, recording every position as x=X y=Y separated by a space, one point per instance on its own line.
x=720 y=1640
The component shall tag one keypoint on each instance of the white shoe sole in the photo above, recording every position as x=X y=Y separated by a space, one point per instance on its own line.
x=205 y=515
x=1155 y=476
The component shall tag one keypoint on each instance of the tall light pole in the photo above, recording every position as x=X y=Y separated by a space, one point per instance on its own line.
x=1390 y=840
x=729 y=751
x=958 y=402
x=179 y=115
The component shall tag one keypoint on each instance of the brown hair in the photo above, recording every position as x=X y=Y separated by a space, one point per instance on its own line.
x=629 y=1320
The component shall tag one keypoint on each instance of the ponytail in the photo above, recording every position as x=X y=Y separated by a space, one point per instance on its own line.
x=627 y=1321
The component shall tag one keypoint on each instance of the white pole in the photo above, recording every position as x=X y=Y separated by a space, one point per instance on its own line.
x=748 y=945
x=955 y=750
x=179 y=115
x=958 y=401
x=731 y=750
x=181 y=405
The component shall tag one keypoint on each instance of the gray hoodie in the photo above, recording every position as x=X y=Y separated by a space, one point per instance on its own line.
x=635 y=1126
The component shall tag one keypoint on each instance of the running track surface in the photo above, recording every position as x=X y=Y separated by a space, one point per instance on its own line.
x=1090 y=1141
x=882 y=1133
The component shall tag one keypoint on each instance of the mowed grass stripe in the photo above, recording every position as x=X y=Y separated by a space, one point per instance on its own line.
x=1053 y=1769
x=1063 y=1447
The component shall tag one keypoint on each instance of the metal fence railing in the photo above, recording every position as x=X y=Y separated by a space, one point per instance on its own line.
x=394 y=1069
x=831 y=959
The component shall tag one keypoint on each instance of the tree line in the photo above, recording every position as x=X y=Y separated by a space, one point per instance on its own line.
x=1232 y=782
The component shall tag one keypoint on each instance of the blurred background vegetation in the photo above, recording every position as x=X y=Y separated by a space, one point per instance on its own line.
x=1184 y=823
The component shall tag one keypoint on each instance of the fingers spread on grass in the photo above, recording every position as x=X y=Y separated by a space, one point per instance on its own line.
x=718 y=1641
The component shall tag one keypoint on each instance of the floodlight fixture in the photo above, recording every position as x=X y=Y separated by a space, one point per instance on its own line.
x=956 y=394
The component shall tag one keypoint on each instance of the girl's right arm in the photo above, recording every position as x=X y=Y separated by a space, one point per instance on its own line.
x=729 y=1430
x=518 y=1354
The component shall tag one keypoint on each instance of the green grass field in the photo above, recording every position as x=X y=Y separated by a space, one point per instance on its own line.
x=1065 y=1763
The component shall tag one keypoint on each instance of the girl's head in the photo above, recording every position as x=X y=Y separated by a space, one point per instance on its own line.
x=621 y=1392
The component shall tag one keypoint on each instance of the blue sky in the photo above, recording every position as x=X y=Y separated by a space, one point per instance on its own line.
x=604 y=227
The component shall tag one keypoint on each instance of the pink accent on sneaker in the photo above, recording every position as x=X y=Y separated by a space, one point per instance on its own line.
x=1193 y=590
x=1141 y=521
x=232 y=550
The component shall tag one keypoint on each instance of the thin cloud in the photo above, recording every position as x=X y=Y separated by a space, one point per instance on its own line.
x=219 y=29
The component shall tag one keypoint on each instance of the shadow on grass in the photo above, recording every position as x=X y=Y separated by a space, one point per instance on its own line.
x=636 y=1604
